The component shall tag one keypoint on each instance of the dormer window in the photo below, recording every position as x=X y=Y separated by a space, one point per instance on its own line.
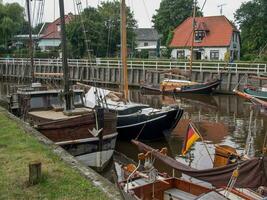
x=199 y=35
x=200 y=31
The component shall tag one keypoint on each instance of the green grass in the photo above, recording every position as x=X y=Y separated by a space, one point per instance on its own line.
x=59 y=181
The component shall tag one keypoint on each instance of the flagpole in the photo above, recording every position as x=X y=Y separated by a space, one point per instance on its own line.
x=205 y=145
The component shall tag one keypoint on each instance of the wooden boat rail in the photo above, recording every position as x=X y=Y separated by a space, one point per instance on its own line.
x=145 y=192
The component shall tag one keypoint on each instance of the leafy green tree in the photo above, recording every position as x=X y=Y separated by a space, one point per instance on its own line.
x=102 y=26
x=252 y=20
x=11 y=22
x=170 y=14
x=7 y=26
x=94 y=29
x=110 y=11
x=37 y=28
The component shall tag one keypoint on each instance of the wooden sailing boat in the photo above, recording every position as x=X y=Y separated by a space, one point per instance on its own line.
x=137 y=120
x=256 y=95
x=88 y=134
x=180 y=84
x=257 y=92
x=149 y=184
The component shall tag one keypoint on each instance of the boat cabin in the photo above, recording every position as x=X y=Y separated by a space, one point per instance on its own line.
x=39 y=98
x=48 y=99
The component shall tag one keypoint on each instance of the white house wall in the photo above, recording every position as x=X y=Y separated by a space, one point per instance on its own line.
x=142 y=43
x=205 y=52
x=222 y=51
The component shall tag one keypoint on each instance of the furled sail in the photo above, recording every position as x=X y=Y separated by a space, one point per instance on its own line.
x=252 y=172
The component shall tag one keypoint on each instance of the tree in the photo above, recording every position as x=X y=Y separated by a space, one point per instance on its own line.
x=94 y=29
x=170 y=14
x=102 y=25
x=37 y=28
x=252 y=20
x=11 y=22
x=7 y=26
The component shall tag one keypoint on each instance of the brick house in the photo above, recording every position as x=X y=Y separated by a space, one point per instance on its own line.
x=214 y=38
x=50 y=34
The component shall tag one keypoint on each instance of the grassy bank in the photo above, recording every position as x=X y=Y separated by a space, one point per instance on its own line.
x=59 y=181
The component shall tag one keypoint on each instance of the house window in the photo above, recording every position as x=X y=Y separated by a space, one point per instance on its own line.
x=145 y=44
x=58 y=28
x=214 y=55
x=180 y=54
x=199 y=35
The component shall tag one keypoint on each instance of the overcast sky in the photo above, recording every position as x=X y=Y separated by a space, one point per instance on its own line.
x=143 y=9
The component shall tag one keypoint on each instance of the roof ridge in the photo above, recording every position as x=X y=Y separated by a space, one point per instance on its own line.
x=211 y=16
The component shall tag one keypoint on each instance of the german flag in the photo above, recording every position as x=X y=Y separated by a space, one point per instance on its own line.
x=191 y=136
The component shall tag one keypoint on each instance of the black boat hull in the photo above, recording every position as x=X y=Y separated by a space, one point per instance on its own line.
x=148 y=127
x=203 y=88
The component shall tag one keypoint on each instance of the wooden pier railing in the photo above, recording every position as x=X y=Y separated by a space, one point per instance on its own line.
x=109 y=70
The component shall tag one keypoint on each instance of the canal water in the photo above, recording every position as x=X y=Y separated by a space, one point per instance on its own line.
x=221 y=119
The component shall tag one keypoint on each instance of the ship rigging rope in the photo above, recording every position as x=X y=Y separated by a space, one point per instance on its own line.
x=232 y=182
x=38 y=13
x=264 y=146
x=41 y=14
x=249 y=136
x=143 y=126
x=147 y=15
x=109 y=24
x=203 y=5
x=33 y=8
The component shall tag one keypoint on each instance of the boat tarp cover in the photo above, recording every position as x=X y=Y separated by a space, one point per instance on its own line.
x=252 y=172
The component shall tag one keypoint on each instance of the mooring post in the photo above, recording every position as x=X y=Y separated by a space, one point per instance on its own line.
x=35 y=172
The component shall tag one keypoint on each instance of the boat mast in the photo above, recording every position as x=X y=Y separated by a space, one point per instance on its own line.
x=65 y=67
x=124 y=49
x=30 y=39
x=193 y=37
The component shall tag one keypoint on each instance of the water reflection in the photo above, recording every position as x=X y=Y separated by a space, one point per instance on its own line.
x=221 y=119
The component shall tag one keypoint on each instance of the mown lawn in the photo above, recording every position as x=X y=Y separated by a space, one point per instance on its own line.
x=59 y=181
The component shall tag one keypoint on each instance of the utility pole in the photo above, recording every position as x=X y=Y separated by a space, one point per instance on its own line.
x=193 y=37
x=30 y=39
x=67 y=94
x=124 y=49
x=221 y=7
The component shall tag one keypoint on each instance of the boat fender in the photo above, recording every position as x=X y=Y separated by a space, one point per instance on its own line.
x=129 y=168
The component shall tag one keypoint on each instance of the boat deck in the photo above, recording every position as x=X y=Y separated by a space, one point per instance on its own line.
x=55 y=115
x=175 y=193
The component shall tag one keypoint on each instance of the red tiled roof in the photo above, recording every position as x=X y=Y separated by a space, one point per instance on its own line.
x=51 y=31
x=202 y=27
x=218 y=29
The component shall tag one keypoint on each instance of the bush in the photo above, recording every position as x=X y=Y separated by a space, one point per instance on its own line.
x=142 y=54
x=46 y=54
x=254 y=58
